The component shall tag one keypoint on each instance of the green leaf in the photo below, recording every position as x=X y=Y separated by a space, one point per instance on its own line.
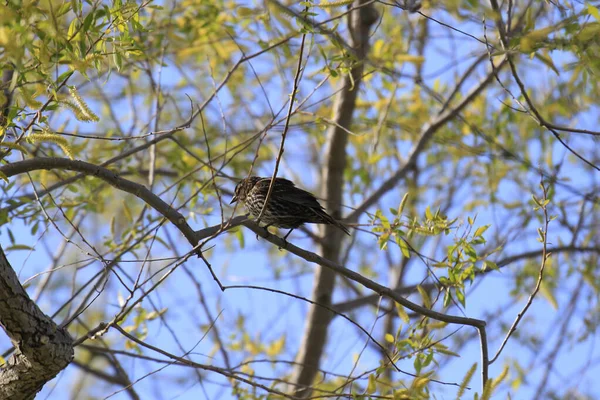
x=19 y=247
x=487 y=264
x=440 y=348
x=481 y=230
x=384 y=221
x=465 y=381
x=548 y=62
x=546 y=292
x=428 y=213
x=593 y=11
x=240 y=237
x=244 y=11
x=88 y=21
x=470 y=251
x=460 y=296
x=118 y=60
x=402 y=204
x=403 y=246
x=72 y=29
x=424 y=296
x=447 y=298
x=372 y=385
x=418 y=363
x=402 y=313
x=76 y=5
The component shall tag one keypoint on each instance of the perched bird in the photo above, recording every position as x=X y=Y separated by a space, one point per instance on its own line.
x=289 y=207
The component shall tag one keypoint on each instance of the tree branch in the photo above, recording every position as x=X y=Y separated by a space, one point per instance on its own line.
x=42 y=348
x=356 y=277
x=426 y=135
x=109 y=177
x=311 y=348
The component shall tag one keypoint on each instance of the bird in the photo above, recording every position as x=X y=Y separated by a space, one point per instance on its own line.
x=289 y=207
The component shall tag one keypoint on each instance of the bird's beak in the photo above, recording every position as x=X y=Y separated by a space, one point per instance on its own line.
x=233 y=200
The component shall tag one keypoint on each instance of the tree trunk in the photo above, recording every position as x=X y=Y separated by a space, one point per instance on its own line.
x=318 y=319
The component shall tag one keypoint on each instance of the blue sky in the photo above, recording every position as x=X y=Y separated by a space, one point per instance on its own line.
x=268 y=316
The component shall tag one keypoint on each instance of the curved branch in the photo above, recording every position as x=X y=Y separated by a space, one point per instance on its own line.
x=358 y=278
x=109 y=177
x=371 y=299
x=194 y=237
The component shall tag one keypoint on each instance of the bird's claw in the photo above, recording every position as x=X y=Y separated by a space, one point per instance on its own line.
x=267 y=233
x=285 y=243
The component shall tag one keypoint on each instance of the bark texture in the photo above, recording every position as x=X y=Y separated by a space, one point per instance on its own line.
x=42 y=349
x=311 y=349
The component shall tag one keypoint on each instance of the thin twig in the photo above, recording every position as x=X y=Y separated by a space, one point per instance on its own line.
x=545 y=255
x=286 y=127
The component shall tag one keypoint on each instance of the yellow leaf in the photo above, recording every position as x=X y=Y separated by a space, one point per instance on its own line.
x=244 y=11
x=540 y=34
x=372 y=385
x=389 y=338
x=424 y=296
x=402 y=313
x=276 y=347
x=252 y=348
x=548 y=295
x=377 y=48
x=466 y=381
x=247 y=369
x=402 y=204
x=481 y=230
x=589 y=32
x=428 y=213
x=403 y=247
x=500 y=377
x=420 y=382
x=72 y=29
x=401 y=394
x=527 y=44
x=410 y=58
x=593 y=11
x=548 y=62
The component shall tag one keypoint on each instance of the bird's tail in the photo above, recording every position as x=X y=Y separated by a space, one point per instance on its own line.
x=343 y=227
x=328 y=219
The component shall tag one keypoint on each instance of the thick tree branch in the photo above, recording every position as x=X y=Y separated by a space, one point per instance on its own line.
x=42 y=349
x=111 y=178
x=194 y=237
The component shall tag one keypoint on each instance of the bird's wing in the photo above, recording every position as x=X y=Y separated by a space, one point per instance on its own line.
x=279 y=181
x=299 y=196
x=285 y=190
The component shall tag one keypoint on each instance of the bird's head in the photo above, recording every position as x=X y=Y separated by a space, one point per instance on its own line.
x=243 y=188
